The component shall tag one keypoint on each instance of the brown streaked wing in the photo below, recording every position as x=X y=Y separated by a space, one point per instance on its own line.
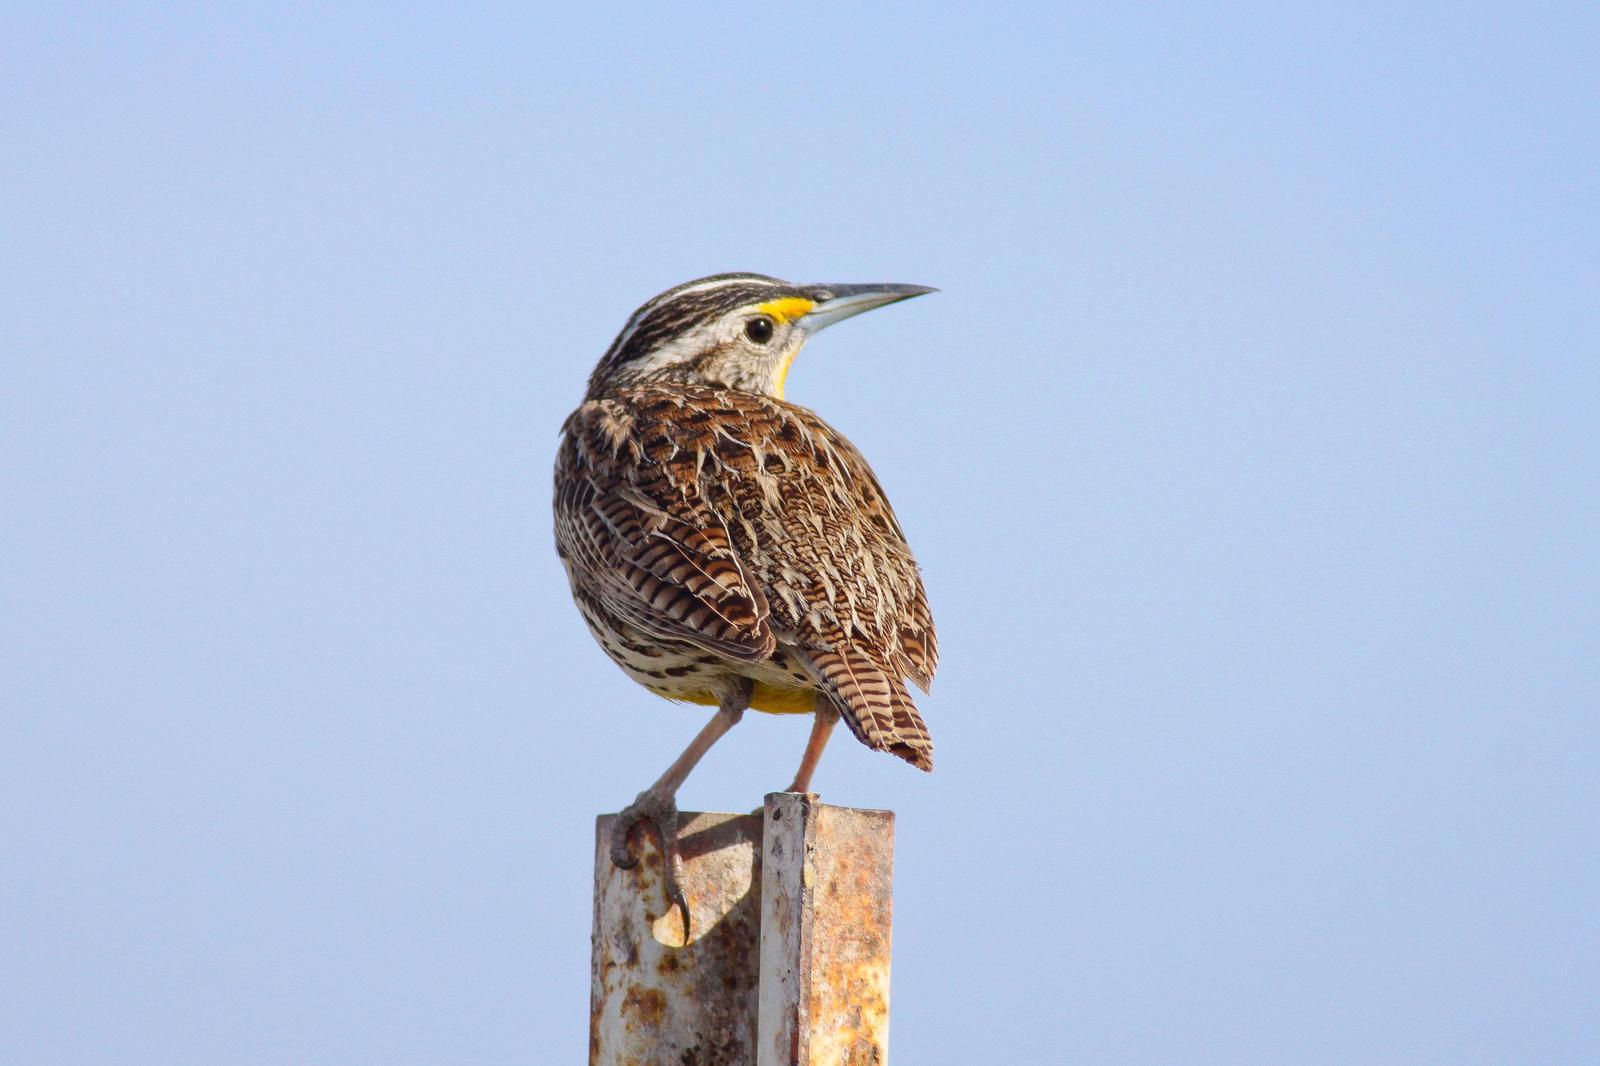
x=675 y=578
x=918 y=642
x=916 y=650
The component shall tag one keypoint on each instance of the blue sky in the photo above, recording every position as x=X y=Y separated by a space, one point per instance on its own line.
x=1249 y=450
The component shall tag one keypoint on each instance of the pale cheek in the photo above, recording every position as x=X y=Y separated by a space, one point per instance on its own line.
x=751 y=374
x=774 y=372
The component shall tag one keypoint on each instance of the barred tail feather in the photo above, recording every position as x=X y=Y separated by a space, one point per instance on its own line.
x=874 y=704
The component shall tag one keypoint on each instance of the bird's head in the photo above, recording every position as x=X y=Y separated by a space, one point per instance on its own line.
x=738 y=331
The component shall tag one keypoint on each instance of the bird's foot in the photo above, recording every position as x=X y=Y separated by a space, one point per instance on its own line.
x=656 y=811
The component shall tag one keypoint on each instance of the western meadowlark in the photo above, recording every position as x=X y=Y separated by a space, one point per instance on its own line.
x=730 y=549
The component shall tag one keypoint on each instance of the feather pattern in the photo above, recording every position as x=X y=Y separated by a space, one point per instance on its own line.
x=710 y=532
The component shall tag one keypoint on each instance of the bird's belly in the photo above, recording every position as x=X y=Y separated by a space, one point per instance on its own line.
x=778 y=700
x=775 y=688
x=681 y=671
x=771 y=699
x=677 y=671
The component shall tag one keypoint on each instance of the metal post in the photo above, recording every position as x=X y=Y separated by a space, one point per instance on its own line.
x=653 y=998
x=787 y=962
x=827 y=890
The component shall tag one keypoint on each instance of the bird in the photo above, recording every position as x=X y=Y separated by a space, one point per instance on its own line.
x=731 y=549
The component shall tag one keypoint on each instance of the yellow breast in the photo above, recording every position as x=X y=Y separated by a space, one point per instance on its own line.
x=768 y=698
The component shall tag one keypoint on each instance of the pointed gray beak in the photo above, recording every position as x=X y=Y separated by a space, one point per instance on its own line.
x=835 y=303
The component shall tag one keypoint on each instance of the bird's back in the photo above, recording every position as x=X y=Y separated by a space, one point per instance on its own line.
x=725 y=530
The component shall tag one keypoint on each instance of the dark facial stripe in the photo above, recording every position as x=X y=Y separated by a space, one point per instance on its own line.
x=680 y=309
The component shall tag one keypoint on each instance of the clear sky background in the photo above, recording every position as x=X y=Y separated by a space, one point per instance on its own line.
x=1250 y=451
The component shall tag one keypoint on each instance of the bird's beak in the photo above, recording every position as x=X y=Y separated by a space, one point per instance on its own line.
x=834 y=303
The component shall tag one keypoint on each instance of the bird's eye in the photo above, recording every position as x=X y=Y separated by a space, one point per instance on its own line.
x=759 y=329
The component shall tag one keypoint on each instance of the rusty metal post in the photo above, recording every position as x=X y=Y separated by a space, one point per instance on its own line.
x=827 y=885
x=787 y=962
x=653 y=998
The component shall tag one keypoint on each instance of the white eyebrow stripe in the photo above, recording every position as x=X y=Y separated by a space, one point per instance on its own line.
x=703 y=285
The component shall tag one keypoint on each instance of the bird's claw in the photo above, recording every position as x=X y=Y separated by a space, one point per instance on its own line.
x=658 y=813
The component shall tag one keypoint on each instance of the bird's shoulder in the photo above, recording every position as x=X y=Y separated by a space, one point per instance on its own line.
x=802 y=509
x=690 y=425
x=695 y=439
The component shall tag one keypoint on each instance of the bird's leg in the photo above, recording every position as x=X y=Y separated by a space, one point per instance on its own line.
x=822 y=724
x=656 y=807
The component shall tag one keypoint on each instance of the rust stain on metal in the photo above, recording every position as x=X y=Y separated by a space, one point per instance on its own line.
x=788 y=960
x=827 y=910
x=647 y=1005
x=655 y=999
